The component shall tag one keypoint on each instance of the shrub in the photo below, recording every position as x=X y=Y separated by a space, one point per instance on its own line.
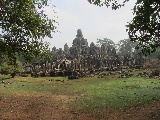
x=5 y=68
x=152 y=64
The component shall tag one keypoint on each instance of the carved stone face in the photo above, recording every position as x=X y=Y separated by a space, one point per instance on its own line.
x=79 y=33
x=92 y=44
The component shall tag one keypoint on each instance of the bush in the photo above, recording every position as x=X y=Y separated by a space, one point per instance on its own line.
x=152 y=64
x=5 y=68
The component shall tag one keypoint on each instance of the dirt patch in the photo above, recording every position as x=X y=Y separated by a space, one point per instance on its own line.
x=146 y=112
x=56 y=97
x=26 y=106
x=43 y=106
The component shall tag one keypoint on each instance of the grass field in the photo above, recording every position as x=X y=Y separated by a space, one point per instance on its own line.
x=91 y=95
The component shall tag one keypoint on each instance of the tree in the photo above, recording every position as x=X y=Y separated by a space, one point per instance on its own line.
x=24 y=24
x=145 y=26
x=107 y=42
x=43 y=56
x=126 y=47
x=11 y=69
x=155 y=55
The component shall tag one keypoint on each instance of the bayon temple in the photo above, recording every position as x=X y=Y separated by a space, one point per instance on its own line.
x=81 y=60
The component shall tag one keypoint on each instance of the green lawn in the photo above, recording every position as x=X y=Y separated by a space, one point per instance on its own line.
x=119 y=93
x=94 y=93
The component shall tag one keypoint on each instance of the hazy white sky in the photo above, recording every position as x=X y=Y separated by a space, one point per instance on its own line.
x=95 y=22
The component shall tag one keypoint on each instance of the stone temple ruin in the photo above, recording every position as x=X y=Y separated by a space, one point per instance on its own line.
x=80 y=60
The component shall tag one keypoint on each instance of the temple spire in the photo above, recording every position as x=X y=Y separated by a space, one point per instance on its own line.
x=79 y=34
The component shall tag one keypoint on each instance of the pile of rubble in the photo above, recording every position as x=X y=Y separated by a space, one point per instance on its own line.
x=152 y=74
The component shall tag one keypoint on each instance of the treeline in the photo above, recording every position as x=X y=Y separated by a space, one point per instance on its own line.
x=123 y=48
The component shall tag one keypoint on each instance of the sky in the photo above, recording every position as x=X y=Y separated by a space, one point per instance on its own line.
x=95 y=22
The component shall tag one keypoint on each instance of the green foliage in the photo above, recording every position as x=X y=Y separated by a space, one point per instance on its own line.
x=45 y=54
x=107 y=42
x=144 y=27
x=155 y=55
x=115 y=4
x=24 y=24
x=126 y=47
x=5 y=68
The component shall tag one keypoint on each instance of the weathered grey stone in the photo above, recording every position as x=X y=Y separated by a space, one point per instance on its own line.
x=80 y=60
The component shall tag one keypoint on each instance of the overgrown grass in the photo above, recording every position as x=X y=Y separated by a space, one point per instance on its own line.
x=119 y=94
x=94 y=93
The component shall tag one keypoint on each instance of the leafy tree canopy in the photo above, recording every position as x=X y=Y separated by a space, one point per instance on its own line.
x=144 y=27
x=126 y=47
x=23 y=25
x=155 y=55
x=5 y=68
x=45 y=54
x=107 y=42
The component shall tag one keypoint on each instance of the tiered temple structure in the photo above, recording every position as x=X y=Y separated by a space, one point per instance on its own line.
x=81 y=58
x=84 y=57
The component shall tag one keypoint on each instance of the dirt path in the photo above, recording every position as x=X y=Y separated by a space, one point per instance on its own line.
x=41 y=106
